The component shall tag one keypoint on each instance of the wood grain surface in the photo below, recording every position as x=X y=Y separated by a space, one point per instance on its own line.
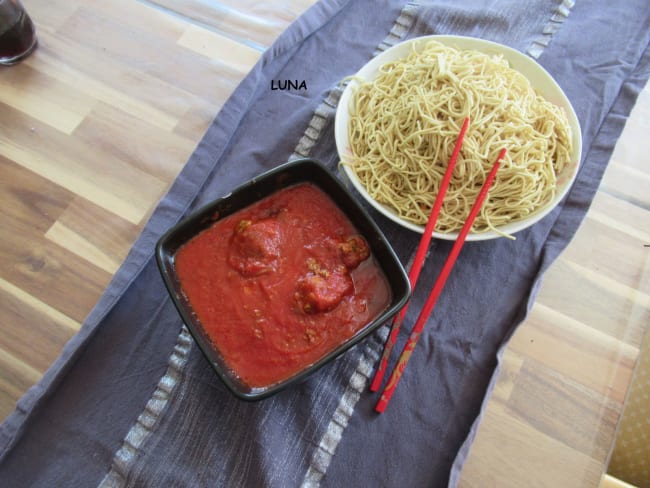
x=96 y=124
x=553 y=417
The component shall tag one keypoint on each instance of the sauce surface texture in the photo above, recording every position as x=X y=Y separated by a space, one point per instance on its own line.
x=280 y=284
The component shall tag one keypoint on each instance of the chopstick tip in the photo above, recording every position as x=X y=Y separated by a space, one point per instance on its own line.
x=380 y=407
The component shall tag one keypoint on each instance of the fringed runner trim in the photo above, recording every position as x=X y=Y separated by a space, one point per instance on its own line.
x=327 y=447
x=322 y=115
x=147 y=420
x=552 y=26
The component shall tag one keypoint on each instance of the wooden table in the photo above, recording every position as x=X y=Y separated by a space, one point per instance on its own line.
x=96 y=124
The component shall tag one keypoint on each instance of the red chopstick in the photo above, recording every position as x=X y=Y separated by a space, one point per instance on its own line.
x=395 y=376
x=416 y=267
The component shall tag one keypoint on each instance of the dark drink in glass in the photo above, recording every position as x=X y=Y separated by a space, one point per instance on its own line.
x=17 y=32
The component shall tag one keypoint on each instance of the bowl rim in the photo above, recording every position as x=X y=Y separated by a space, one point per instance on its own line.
x=294 y=172
x=518 y=61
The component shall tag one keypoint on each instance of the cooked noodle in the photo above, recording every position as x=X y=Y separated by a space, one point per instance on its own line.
x=404 y=124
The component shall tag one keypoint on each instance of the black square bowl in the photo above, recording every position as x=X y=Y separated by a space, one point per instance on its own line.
x=288 y=174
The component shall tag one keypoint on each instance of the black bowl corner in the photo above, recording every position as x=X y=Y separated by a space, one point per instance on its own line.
x=287 y=174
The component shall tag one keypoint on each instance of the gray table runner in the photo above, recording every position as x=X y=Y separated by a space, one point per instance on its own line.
x=131 y=401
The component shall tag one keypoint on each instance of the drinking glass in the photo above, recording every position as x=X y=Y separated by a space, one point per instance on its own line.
x=17 y=32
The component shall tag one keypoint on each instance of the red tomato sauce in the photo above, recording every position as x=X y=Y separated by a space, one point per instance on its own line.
x=280 y=284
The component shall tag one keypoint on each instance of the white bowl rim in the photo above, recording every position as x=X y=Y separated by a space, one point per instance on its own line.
x=518 y=61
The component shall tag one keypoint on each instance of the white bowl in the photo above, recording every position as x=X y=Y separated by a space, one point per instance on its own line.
x=539 y=78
